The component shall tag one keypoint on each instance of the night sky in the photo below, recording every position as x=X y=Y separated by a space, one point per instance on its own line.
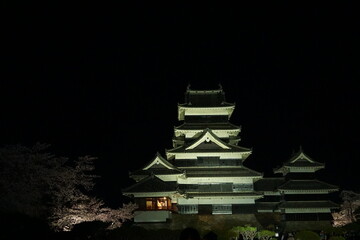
x=105 y=80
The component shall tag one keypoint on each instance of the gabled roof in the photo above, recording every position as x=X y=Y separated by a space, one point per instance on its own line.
x=158 y=162
x=158 y=166
x=208 y=141
x=307 y=185
x=299 y=160
x=151 y=184
x=206 y=137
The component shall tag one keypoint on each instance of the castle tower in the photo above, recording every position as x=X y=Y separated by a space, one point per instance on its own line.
x=204 y=172
x=305 y=198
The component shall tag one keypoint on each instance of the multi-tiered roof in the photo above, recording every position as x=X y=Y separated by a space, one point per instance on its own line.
x=205 y=161
x=206 y=140
x=303 y=192
x=300 y=163
x=204 y=171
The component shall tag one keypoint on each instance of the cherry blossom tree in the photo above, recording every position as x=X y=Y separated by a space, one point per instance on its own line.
x=88 y=210
x=39 y=184
x=349 y=209
x=29 y=179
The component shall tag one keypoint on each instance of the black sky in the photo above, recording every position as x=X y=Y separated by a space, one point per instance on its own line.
x=106 y=79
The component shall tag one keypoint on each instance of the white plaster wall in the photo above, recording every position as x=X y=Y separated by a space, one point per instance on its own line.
x=209 y=111
x=228 y=155
x=308 y=210
x=168 y=178
x=223 y=200
x=153 y=194
x=193 y=133
x=300 y=170
x=307 y=192
x=151 y=216
x=215 y=180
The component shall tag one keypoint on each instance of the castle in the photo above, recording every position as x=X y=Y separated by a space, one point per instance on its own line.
x=205 y=174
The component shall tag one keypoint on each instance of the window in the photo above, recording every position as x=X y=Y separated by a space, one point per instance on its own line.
x=242 y=187
x=188 y=209
x=221 y=209
x=215 y=187
x=150 y=204
x=158 y=203
x=161 y=203
x=208 y=161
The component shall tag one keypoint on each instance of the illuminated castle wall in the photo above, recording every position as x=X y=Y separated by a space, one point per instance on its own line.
x=204 y=172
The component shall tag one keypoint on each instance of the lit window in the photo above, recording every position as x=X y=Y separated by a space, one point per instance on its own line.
x=149 y=203
x=158 y=203
x=162 y=203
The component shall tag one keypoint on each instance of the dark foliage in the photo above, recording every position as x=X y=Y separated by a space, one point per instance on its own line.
x=21 y=226
x=210 y=236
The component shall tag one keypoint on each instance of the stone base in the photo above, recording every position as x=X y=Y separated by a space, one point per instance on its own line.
x=204 y=223
x=293 y=226
x=223 y=222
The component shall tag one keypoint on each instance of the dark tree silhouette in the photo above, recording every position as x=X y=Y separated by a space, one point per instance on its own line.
x=39 y=184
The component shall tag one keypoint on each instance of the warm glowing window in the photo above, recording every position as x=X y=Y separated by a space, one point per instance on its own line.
x=158 y=203
x=149 y=203
x=162 y=203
